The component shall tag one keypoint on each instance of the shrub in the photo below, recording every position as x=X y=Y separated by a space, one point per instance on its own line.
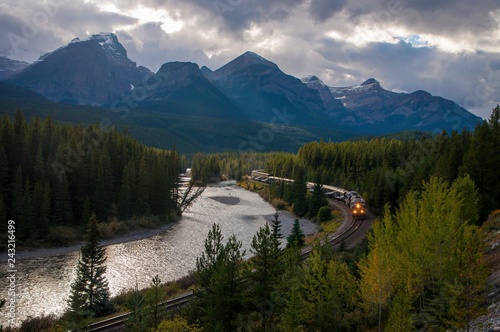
x=324 y=214
x=62 y=235
x=112 y=228
x=279 y=203
x=38 y=324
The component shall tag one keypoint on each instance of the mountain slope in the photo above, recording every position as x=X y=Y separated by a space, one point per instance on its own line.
x=9 y=67
x=261 y=89
x=92 y=71
x=371 y=107
x=180 y=88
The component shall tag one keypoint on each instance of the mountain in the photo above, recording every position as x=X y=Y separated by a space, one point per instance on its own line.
x=181 y=88
x=93 y=71
x=9 y=67
x=261 y=89
x=332 y=104
x=371 y=107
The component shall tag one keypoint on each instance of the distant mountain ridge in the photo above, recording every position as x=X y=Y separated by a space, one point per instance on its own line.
x=372 y=107
x=97 y=71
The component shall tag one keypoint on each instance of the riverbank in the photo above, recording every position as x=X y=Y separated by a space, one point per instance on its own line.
x=134 y=235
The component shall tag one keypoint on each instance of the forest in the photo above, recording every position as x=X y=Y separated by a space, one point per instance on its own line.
x=54 y=176
x=422 y=268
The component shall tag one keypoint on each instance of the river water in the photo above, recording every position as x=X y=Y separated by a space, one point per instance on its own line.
x=43 y=283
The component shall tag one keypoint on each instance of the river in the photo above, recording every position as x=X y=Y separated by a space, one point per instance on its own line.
x=43 y=283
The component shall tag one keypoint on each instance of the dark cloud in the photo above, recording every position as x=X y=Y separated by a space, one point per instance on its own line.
x=322 y=10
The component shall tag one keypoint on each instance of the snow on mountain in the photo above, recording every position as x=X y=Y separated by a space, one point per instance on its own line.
x=369 y=104
x=94 y=71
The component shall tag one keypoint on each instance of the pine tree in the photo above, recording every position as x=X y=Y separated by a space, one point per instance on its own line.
x=90 y=294
x=155 y=296
x=125 y=197
x=143 y=206
x=27 y=214
x=4 y=170
x=276 y=227
x=20 y=139
x=104 y=193
x=17 y=197
x=318 y=198
x=299 y=191
x=218 y=276
x=296 y=237
x=138 y=320
x=266 y=269
x=63 y=214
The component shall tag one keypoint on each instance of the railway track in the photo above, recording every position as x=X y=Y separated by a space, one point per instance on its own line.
x=352 y=226
x=117 y=323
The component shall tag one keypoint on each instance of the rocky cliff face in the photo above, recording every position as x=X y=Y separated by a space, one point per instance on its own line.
x=93 y=71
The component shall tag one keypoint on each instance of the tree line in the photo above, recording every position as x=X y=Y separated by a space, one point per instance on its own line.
x=54 y=175
x=384 y=170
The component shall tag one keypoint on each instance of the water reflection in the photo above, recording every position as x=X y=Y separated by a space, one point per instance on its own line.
x=43 y=283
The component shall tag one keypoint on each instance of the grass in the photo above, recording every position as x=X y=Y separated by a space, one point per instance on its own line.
x=326 y=227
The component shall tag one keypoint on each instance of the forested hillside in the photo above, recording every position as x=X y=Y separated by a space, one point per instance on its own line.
x=54 y=176
x=383 y=170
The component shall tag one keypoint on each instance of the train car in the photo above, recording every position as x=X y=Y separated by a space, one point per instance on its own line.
x=358 y=211
x=260 y=175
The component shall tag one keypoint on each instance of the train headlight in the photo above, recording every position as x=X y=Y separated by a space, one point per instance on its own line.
x=362 y=211
x=354 y=211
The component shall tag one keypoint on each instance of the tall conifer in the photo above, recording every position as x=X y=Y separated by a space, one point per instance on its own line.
x=90 y=294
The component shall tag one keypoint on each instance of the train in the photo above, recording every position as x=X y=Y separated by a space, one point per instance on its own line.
x=349 y=198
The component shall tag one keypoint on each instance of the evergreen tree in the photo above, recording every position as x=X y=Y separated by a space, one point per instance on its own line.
x=27 y=213
x=17 y=197
x=20 y=138
x=42 y=208
x=104 y=193
x=143 y=206
x=276 y=227
x=329 y=291
x=138 y=320
x=125 y=202
x=86 y=212
x=299 y=191
x=296 y=237
x=155 y=296
x=4 y=171
x=219 y=296
x=89 y=292
x=317 y=199
x=63 y=214
x=266 y=269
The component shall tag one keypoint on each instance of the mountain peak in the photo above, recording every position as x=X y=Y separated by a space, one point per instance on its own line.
x=252 y=54
x=107 y=37
x=370 y=81
x=311 y=78
x=251 y=58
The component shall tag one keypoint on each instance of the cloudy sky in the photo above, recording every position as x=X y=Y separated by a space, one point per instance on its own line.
x=450 y=48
